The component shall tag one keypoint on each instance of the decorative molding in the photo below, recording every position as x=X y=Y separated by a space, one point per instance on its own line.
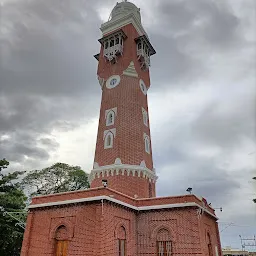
x=131 y=71
x=113 y=131
x=119 y=169
x=101 y=81
x=95 y=165
x=130 y=18
x=140 y=208
x=118 y=161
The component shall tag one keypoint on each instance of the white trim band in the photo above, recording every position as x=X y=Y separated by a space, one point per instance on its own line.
x=141 y=208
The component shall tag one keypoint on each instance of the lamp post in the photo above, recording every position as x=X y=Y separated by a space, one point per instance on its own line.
x=254 y=200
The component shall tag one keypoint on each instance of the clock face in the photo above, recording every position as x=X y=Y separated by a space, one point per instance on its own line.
x=113 y=81
x=143 y=87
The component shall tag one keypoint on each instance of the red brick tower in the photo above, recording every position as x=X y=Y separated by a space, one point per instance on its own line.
x=123 y=156
x=120 y=218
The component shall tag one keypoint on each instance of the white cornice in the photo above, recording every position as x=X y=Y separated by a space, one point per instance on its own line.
x=119 y=169
x=141 y=208
x=113 y=25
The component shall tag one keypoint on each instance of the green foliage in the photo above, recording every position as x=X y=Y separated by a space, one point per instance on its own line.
x=12 y=199
x=57 y=178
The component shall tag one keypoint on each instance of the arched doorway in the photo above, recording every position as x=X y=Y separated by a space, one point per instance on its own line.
x=61 y=241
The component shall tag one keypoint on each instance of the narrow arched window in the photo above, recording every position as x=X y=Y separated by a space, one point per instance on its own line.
x=209 y=244
x=139 y=45
x=121 y=241
x=108 y=142
x=150 y=191
x=147 y=144
x=106 y=45
x=145 y=116
x=110 y=119
x=164 y=244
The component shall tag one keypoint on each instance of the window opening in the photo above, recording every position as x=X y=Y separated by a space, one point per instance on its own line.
x=112 y=42
x=147 y=145
x=122 y=247
x=108 y=140
x=110 y=118
x=164 y=248
x=210 y=252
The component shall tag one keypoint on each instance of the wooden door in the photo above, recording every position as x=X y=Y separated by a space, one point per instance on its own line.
x=62 y=248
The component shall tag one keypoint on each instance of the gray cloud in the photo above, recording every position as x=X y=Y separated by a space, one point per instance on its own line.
x=186 y=34
x=47 y=71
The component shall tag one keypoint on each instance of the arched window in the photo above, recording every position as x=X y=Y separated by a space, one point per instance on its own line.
x=121 y=241
x=150 y=191
x=139 y=45
x=110 y=119
x=61 y=237
x=145 y=116
x=112 y=42
x=209 y=244
x=106 y=45
x=164 y=244
x=108 y=142
x=147 y=144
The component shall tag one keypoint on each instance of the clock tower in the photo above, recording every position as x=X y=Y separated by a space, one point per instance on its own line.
x=120 y=214
x=123 y=156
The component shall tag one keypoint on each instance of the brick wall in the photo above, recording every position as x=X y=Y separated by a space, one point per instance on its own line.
x=93 y=230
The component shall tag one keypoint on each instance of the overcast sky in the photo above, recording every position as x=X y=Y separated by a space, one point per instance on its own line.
x=201 y=101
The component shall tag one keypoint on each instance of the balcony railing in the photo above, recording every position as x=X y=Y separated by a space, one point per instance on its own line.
x=144 y=58
x=112 y=52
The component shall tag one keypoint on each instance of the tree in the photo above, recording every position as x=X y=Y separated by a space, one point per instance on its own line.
x=12 y=199
x=57 y=178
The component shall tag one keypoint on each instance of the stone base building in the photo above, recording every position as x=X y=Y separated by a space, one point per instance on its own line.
x=120 y=215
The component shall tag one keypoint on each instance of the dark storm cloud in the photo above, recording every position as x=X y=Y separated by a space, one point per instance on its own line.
x=186 y=34
x=47 y=72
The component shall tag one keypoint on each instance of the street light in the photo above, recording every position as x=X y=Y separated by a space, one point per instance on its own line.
x=254 y=200
x=189 y=190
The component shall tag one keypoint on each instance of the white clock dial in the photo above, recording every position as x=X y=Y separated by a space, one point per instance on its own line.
x=113 y=81
x=143 y=87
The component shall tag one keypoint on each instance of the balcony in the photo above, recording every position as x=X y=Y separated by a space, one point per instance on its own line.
x=144 y=58
x=112 y=52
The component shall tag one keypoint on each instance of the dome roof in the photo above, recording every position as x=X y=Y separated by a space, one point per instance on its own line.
x=123 y=9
